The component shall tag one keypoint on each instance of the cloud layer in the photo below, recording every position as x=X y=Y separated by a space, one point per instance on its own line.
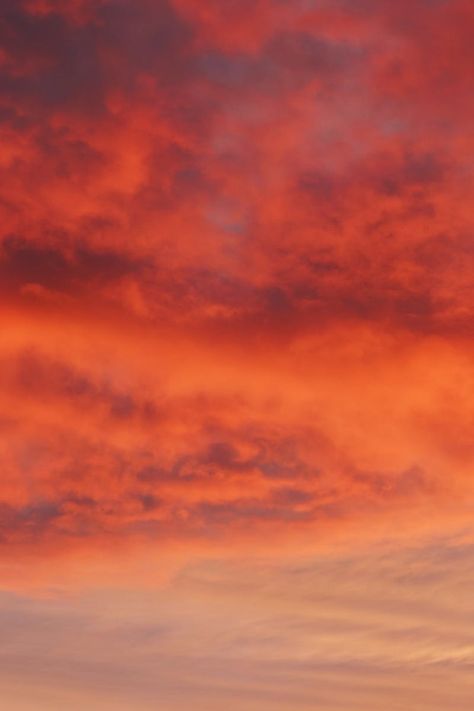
x=360 y=631
x=236 y=355
x=236 y=271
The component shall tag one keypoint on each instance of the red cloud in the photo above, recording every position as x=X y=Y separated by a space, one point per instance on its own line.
x=236 y=264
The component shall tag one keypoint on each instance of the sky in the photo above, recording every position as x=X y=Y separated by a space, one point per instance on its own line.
x=236 y=355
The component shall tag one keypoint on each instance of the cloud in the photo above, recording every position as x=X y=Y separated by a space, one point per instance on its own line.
x=149 y=443
x=363 y=629
x=236 y=269
x=236 y=364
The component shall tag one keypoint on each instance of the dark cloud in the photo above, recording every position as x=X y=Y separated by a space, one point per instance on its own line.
x=60 y=62
x=29 y=522
x=25 y=262
x=71 y=65
x=290 y=60
x=35 y=376
x=246 y=511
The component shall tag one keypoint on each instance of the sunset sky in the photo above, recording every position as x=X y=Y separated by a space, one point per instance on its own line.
x=237 y=355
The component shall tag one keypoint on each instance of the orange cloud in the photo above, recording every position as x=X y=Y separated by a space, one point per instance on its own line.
x=236 y=270
x=236 y=355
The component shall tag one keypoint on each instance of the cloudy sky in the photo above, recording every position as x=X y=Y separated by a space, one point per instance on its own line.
x=236 y=355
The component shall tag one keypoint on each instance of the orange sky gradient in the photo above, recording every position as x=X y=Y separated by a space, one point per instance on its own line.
x=236 y=355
